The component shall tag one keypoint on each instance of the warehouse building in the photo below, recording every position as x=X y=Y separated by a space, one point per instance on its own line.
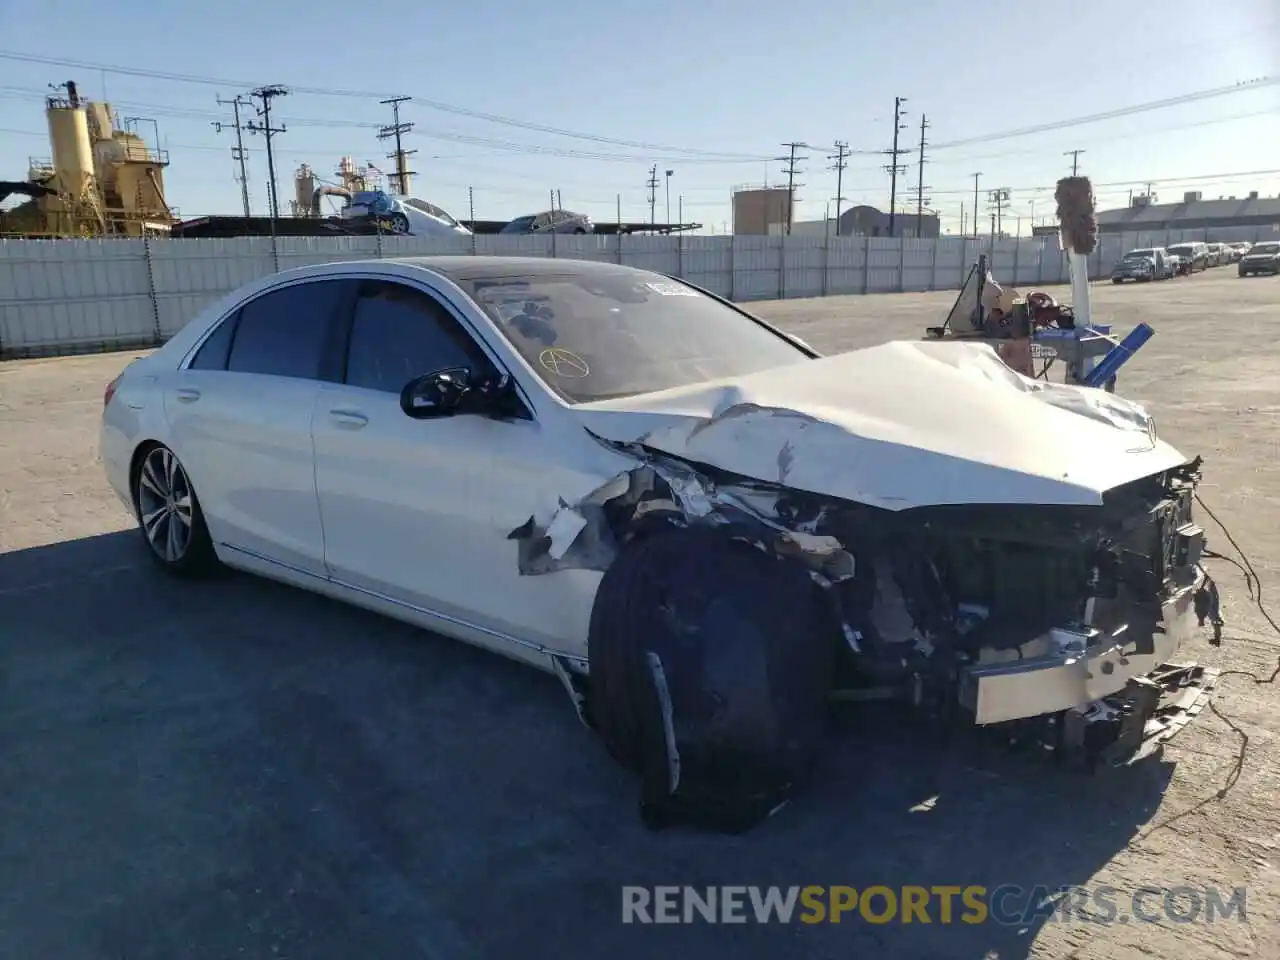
x=864 y=221
x=1192 y=212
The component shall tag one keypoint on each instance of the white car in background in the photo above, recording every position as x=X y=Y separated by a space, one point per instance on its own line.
x=701 y=526
x=402 y=215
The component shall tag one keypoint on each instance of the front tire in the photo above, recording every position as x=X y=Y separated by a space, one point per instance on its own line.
x=729 y=646
x=169 y=515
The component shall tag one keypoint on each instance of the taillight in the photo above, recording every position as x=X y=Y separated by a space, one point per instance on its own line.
x=110 y=392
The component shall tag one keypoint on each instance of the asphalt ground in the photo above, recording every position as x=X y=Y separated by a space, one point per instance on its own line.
x=240 y=769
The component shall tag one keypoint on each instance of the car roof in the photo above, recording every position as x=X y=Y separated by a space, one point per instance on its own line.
x=464 y=267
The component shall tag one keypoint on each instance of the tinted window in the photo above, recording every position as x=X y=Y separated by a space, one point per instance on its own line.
x=212 y=354
x=614 y=331
x=398 y=333
x=284 y=332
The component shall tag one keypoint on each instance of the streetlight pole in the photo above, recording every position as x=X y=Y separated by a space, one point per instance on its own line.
x=669 y=173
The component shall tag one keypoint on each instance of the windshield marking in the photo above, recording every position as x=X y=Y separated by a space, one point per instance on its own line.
x=563 y=363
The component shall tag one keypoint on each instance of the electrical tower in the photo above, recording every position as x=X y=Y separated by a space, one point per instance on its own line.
x=1075 y=160
x=401 y=157
x=237 y=152
x=652 y=185
x=921 y=199
x=894 y=167
x=265 y=95
x=842 y=151
x=791 y=159
x=998 y=198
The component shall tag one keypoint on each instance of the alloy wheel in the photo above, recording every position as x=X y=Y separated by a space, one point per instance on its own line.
x=165 y=504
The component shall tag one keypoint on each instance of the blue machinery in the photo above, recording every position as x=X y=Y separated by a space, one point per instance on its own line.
x=1089 y=352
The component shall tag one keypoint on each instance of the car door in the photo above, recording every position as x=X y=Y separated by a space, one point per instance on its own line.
x=240 y=420
x=419 y=511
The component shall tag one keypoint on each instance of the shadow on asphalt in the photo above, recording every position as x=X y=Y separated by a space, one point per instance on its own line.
x=235 y=768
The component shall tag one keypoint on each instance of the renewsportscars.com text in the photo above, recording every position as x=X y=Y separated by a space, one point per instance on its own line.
x=1007 y=905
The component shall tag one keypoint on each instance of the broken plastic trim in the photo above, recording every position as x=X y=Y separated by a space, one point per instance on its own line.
x=586 y=535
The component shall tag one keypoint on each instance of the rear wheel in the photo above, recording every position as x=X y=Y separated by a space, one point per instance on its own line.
x=169 y=514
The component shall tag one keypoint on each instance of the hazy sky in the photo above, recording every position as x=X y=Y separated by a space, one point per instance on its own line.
x=727 y=83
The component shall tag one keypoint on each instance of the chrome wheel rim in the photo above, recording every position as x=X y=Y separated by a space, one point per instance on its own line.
x=165 y=504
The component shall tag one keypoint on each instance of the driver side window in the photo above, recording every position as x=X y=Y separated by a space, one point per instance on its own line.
x=398 y=333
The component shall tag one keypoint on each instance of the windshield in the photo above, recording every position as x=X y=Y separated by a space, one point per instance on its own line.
x=1271 y=249
x=519 y=225
x=1140 y=255
x=1181 y=251
x=620 y=334
x=431 y=209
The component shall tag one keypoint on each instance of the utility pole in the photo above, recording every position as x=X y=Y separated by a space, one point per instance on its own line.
x=962 y=220
x=652 y=184
x=920 y=187
x=842 y=151
x=237 y=152
x=397 y=129
x=791 y=159
x=1075 y=160
x=266 y=95
x=999 y=197
x=893 y=166
x=976 y=177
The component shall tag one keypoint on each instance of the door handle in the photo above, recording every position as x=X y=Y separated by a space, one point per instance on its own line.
x=187 y=394
x=350 y=419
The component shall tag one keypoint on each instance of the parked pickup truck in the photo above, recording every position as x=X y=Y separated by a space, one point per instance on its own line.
x=1150 y=263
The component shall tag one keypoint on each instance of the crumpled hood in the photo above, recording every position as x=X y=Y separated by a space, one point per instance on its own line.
x=905 y=424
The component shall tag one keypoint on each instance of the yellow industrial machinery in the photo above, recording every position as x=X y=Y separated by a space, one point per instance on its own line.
x=100 y=181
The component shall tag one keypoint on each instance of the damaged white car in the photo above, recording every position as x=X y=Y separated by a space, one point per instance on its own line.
x=705 y=529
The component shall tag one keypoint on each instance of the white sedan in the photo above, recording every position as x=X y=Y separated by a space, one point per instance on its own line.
x=700 y=525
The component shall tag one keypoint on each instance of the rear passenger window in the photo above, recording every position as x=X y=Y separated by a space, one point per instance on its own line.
x=212 y=354
x=283 y=333
x=399 y=333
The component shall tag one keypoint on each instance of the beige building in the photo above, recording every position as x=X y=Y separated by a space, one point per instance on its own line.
x=761 y=211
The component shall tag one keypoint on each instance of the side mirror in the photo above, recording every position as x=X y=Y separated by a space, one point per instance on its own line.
x=440 y=394
x=456 y=391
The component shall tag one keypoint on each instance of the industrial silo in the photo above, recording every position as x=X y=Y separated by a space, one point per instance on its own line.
x=72 y=152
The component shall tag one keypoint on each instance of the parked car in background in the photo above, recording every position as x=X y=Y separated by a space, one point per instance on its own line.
x=1148 y=263
x=1238 y=250
x=1195 y=255
x=1261 y=258
x=1176 y=264
x=551 y=221
x=401 y=215
x=1217 y=254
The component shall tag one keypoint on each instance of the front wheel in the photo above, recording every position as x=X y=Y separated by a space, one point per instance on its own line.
x=711 y=661
x=169 y=515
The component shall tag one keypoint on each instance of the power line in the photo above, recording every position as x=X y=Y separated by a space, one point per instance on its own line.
x=1242 y=87
x=791 y=170
x=237 y=152
x=265 y=95
x=376 y=95
x=842 y=151
x=893 y=166
x=401 y=156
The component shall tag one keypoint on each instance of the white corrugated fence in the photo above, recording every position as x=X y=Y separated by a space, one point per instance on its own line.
x=70 y=296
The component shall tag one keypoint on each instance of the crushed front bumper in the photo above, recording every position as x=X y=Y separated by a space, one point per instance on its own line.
x=1097 y=699
x=1067 y=668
